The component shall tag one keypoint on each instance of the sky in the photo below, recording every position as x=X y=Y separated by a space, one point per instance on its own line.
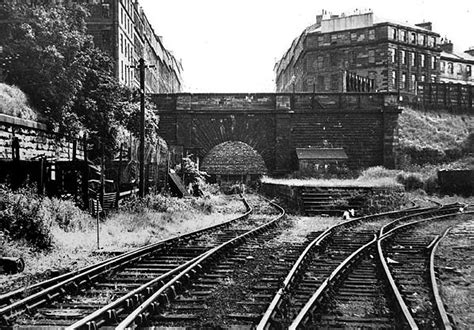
x=232 y=45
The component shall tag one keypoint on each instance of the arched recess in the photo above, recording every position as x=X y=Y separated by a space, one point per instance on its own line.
x=234 y=160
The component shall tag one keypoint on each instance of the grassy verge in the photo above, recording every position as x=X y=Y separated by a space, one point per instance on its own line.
x=74 y=246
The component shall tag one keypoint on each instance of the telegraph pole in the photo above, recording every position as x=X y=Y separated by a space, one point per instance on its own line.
x=141 y=184
x=141 y=151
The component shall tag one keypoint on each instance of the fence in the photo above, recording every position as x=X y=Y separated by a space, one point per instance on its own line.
x=455 y=98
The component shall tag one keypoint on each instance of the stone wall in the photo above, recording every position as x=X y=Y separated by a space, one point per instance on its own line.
x=365 y=125
x=34 y=140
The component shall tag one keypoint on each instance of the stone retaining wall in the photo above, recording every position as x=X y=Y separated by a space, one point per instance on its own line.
x=35 y=140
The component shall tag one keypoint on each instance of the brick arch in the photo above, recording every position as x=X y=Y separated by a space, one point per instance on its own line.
x=233 y=158
x=256 y=131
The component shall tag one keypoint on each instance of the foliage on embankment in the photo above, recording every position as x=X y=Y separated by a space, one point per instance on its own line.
x=434 y=137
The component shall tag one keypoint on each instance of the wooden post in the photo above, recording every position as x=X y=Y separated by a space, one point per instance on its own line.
x=102 y=177
x=41 y=180
x=119 y=176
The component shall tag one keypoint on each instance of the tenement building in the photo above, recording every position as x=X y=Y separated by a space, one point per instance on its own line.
x=121 y=28
x=360 y=52
x=456 y=67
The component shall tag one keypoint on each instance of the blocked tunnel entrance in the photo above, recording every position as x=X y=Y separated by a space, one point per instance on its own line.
x=233 y=162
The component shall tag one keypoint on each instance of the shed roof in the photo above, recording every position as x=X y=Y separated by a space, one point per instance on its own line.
x=321 y=153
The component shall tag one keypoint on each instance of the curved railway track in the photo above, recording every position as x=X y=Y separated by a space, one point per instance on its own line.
x=61 y=300
x=358 y=293
x=344 y=276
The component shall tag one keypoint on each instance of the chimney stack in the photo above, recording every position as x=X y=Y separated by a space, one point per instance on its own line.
x=470 y=51
x=425 y=25
x=447 y=46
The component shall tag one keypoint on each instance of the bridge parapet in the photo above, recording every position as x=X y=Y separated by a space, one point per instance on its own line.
x=275 y=101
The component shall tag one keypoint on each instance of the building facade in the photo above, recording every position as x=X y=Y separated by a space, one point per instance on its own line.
x=121 y=28
x=456 y=67
x=384 y=55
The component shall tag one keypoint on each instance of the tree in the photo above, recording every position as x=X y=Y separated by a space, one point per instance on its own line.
x=66 y=78
x=47 y=44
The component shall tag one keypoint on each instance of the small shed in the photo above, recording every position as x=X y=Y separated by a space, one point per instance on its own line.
x=321 y=161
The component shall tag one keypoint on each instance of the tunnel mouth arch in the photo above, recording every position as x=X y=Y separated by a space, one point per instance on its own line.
x=233 y=161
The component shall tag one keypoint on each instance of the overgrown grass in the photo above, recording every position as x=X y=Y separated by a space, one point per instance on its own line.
x=71 y=233
x=13 y=102
x=374 y=177
x=434 y=137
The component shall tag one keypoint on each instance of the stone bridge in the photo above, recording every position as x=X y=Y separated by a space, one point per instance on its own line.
x=364 y=124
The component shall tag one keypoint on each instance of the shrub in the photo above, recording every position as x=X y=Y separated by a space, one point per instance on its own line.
x=67 y=215
x=411 y=181
x=24 y=216
x=431 y=185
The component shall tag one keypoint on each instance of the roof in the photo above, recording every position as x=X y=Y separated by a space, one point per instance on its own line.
x=321 y=153
x=456 y=56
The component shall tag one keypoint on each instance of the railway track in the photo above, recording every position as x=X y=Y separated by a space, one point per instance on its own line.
x=331 y=279
x=62 y=300
x=358 y=292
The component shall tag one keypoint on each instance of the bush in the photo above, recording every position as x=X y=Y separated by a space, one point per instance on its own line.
x=155 y=202
x=24 y=216
x=67 y=215
x=431 y=185
x=411 y=181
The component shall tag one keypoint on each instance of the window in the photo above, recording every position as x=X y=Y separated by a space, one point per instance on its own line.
x=121 y=67
x=459 y=71
x=334 y=82
x=371 y=56
x=450 y=68
x=394 y=79
x=433 y=78
x=105 y=10
x=431 y=41
x=413 y=38
x=371 y=34
x=403 y=35
x=321 y=85
x=423 y=40
x=393 y=33
x=320 y=62
x=413 y=59
x=468 y=70
x=121 y=15
x=334 y=59
x=404 y=80
x=433 y=63
x=423 y=78
x=442 y=66
x=403 y=56
x=393 y=56
x=353 y=36
x=121 y=43
x=413 y=82
x=422 y=60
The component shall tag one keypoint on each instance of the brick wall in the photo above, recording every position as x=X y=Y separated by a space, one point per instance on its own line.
x=35 y=140
x=365 y=125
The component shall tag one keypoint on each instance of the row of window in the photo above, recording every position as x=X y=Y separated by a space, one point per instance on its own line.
x=413 y=59
x=125 y=21
x=411 y=37
x=413 y=80
x=449 y=69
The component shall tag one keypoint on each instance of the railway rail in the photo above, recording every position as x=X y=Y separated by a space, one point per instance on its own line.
x=58 y=299
x=342 y=276
x=358 y=292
